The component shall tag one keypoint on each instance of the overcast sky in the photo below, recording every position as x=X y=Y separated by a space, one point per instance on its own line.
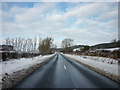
x=85 y=23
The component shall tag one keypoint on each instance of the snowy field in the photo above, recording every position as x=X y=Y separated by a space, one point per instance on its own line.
x=105 y=64
x=13 y=65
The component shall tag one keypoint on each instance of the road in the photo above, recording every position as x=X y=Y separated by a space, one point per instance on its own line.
x=61 y=72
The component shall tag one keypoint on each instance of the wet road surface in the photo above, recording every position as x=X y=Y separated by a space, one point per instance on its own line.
x=61 y=72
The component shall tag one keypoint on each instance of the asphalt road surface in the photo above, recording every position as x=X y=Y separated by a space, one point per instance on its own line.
x=61 y=72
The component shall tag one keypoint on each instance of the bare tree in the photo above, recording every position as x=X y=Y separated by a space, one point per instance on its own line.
x=67 y=42
x=7 y=41
x=45 y=47
x=67 y=45
x=35 y=44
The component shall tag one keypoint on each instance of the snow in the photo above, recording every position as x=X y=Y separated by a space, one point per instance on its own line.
x=98 y=62
x=13 y=65
x=102 y=59
x=8 y=51
x=110 y=49
x=77 y=49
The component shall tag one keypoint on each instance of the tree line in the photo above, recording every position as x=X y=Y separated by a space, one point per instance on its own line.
x=44 y=46
x=26 y=48
x=31 y=45
x=22 y=44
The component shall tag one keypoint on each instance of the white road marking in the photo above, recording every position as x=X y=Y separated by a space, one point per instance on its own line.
x=64 y=67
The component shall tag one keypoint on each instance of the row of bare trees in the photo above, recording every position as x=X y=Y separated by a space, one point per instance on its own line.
x=22 y=44
x=32 y=45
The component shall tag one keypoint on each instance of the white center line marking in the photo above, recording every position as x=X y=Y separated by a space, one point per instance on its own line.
x=64 y=67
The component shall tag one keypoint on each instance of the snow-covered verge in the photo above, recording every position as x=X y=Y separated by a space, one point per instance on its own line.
x=101 y=59
x=110 y=49
x=105 y=66
x=15 y=70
